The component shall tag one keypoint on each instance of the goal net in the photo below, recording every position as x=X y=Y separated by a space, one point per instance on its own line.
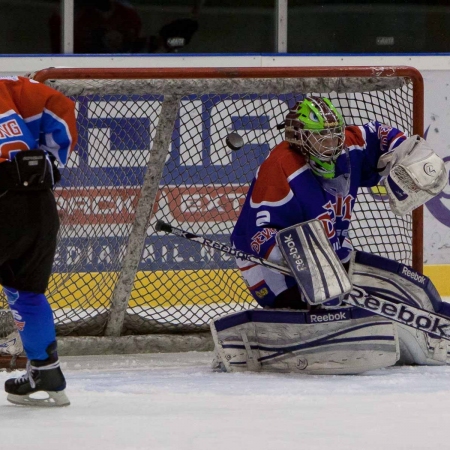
x=152 y=146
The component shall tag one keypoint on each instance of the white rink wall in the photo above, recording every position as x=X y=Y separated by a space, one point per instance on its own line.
x=434 y=68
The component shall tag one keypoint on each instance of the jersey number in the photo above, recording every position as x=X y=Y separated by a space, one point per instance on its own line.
x=262 y=218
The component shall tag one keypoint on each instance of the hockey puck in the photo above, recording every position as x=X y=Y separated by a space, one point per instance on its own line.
x=234 y=141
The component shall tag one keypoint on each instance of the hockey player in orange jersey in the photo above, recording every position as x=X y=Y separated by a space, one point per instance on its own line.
x=37 y=134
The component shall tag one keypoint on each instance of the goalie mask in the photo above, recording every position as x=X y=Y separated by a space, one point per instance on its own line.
x=316 y=128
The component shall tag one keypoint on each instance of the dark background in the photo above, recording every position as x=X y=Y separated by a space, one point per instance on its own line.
x=233 y=26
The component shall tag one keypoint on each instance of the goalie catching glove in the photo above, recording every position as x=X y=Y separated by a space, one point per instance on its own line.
x=414 y=174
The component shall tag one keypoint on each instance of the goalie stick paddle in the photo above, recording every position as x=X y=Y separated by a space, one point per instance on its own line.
x=436 y=325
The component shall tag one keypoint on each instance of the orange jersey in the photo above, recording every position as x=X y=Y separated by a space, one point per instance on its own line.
x=33 y=115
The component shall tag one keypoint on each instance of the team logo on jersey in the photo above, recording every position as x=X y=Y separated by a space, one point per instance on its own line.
x=341 y=208
x=383 y=132
x=261 y=237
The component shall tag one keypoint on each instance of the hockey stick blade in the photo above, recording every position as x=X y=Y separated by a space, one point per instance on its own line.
x=420 y=319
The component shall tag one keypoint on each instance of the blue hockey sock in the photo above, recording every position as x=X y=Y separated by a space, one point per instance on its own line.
x=34 y=321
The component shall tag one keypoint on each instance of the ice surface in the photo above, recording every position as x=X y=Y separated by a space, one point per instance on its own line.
x=174 y=401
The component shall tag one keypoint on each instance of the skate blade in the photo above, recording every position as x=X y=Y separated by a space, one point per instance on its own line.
x=54 y=399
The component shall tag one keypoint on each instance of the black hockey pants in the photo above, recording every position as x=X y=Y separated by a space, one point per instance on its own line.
x=29 y=226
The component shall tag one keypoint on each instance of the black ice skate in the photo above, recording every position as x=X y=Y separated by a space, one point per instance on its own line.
x=42 y=376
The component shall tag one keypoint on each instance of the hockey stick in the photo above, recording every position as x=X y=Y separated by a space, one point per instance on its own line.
x=435 y=324
x=163 y=226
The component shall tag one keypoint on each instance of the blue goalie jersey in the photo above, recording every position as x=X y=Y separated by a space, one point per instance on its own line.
x=285 y=192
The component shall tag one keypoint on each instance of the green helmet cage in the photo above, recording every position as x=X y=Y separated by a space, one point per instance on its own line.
x=312 y=125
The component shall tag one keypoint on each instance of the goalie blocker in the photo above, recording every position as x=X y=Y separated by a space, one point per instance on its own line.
x=315 y=266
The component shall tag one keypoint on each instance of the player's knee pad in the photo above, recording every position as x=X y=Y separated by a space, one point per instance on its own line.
x=337 y=341
x=382 y=277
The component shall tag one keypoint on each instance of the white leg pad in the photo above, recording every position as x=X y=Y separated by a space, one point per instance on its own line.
x=325 y=342
x=417 y=347
x=401 y=284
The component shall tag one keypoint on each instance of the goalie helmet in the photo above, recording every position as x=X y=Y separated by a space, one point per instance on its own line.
x=316 y=128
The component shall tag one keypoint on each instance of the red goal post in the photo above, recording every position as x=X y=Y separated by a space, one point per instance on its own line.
x=152 y=146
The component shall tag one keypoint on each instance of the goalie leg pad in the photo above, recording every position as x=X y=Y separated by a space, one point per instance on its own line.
x=315 y=266
x=325 y=342
x=417 y=347
x=399 y=283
